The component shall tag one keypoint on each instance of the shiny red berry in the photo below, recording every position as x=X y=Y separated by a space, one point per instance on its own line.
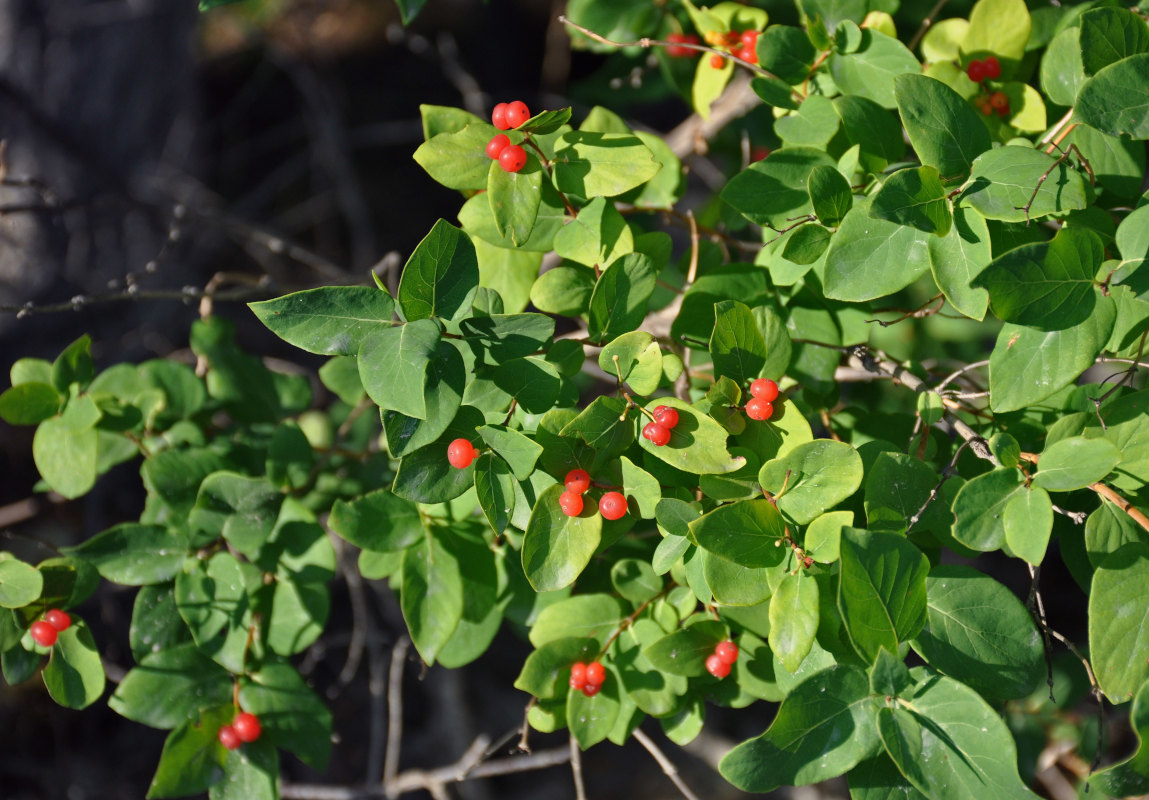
x=999 y=101
x=749 y=40
x=517 y=113
x=976 y=71
x=44 y=634
x=512 y=158
x=764 y=389
x=992 y=68
x=460 y=453
x=717 y=667
x=666 y=416
x=496 y=145
x=612 y=505
x=717 y=61
x=658 y=434
x=727 y=651
x=571 y=503
x=591 y=689
x=499 y=117
x=58 y=619
x=577 y=481
x=247 y=726
x=228 y=737
x=578 y=675
x=759 y=409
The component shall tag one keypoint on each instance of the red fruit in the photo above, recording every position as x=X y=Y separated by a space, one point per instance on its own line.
x=999 y=101
x=1004 y=111
x=499 y=117
x=983 y=105
x=228 y=737
x=759 y=409
x=44 y=634
x=498 y=142
x=992 y=68
x=727 y=651
x=571 y=503
x=460 y=453
x=674 y=51
x=517 y=113
x=591 y=689
x=737 y=51
x=595 y=673
x=58 y=619
x=749 y=40
x=247 y=726
x=612 y=505
x=666 y=416
x=659 y=435
x=764 y=389
x=577 y=481
x=578 y=675
x=717 y=667
x=758 y=153
x=717 y=61
x=976 y=71
x=512 y=158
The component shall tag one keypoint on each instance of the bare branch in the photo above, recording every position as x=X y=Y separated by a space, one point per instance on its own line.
x=668 y=768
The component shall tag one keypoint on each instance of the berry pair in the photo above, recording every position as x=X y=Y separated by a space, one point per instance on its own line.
x=460 y=453
x=719 y=662
x=658 y=431
x=979 y=71
x=611 y=505
x=244 y=728
x=743 y=45
x=676 y=51
x=764 y=392
x=46 y=631
x=587 y=678
x=994 y=103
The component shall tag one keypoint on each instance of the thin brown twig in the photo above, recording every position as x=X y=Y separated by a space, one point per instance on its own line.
x=668 y=768
x=576 y=769
x=927 y=23
x=395 y=709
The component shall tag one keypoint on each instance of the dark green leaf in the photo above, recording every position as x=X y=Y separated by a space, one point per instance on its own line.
x=944 y=130
x=134 y=555
x=1118 y=615
x=432 y=594
x=192 y=759
x=556 y=547
x=746 y=532
x=816 y=475
x=830 y=195
x=331 y=320
x=1109 y=35
x=914 y=197
x=882 y=590
x=441 y=277
x=170 y=687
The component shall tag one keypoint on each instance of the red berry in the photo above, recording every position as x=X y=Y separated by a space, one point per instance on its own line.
x=759 y=409
x=58 y=619
x=44 y=634
x=460 y=453
x=517 y=113
x=512 y=158
x=578 y=675
x=247 y=726
x=758 y=153
x=764 y=389
x=612 y=505
x=727 y=651
x=228 y=737
x=666 y=416
x=496 y=145
x=577 y=481
x=591 y=689
x=992 y=68
x=499 y=117
x=571 y=503
x=999 y=101
x=976 y=71
x=717 y=667
x=1004 y=111
x=750 y=39
x=674 y=51
x=983 y=105
x=595 y=673
x=717 y=61
x=737 y=51
x=658 y=434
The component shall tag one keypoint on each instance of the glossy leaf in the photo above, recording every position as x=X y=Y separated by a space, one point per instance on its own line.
x=331 y=320
x=556 y=547
x=812 y=478
x=1118 y=613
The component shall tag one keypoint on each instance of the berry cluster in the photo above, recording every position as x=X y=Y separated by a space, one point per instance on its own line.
x=719 y=662
x=46 y=631
x=676 y=51
x=587 y=678
x=244 y=728
x=658 y=431
x=979 y=71
x=993 y=103
x=741 y=44
x=511 y=157
x=764 y=392
x=611 y=505
x=460 y=453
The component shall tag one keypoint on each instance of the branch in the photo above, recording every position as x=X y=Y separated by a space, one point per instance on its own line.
x=395 y=709
x=575 y=757
x=926 y=24
x=668 y=768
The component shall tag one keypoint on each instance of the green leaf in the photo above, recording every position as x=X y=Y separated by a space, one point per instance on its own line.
x=604 y=425
x=871 y=70
x=551 y=661
x=875 y=130
x=914 y=197
x=1028 y=365
x=897 y=485
x=378 y=520
x=1028 y=521
x=814 y=124
x=736 y=345
x=902 y=740
x=732 y=584
x=212 y=600
x=425 y=476
x=1047 y=285
x=432 y=594
x=134 y=555
x=806 y=244
x=1118 y=162
x=20 y=583
x=772 y=191
x=870 y=258
x=745 y=532
x=514 y=198
x=331 y=320
x=458 y=159
x=889 y=675
x=546 y=122
x=958 y=257
x=170 y=687
x=507 y=336
x=564 y=290
x=74 y=676
x=793 y=619
x=1004 y=180
x=1106 y=530
x=293 y=717
x=556 y=548
x=997 y=28
x=29 y=403
x=882 y=590
x=817 y=476
x=639 y=361
x=593 y=616
x=879 y=778
x=192 y=759
x=786 y=51
x=252 y=774
x=591 y=719
x=944 y=130
x=1075 y=463
x=698 y=444
x=1062 y=72
x=597 y=236
x=1109 y=35
x=685 y=651
x=979 y=633
x=1118 y=615
x=441 y=277
x=824 y=535
x=1131 y=776
x=393 y=365
x=830 y=195
x=589 y=164
x=74 y=365
x=709 y=83
x=619 y=301
x=640 y=488
x=823 y=728
x=979 y=506
x=519 y=451
x=66 y=456
x=242 y=510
